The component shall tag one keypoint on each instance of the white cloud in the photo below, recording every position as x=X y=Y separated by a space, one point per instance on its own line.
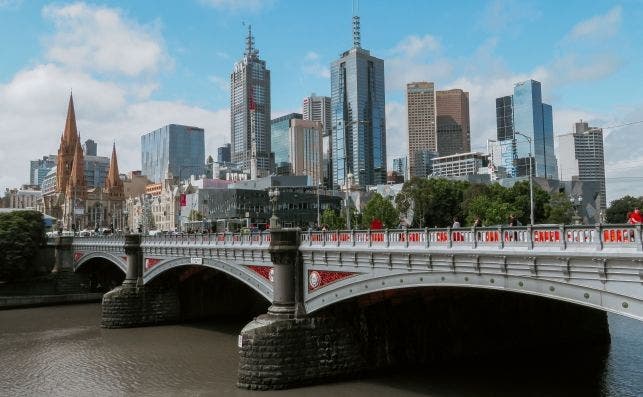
x=313 y=66
x=598 y=27
x=112 y=106
x=100 y=39
x=415 y=46
x=507 y=15
x=396 y=130
x=239 y=5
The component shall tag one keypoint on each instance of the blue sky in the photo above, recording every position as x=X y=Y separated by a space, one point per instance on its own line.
x=135 y=66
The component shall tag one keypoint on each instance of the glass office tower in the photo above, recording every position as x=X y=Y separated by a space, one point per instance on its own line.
x=358 y=116
x=178 y=149
x=531 y=117
x=280 y=139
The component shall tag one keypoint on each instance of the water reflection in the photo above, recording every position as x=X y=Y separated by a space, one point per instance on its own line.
x=62 y=351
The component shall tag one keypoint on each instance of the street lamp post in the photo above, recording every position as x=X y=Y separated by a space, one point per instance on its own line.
x=531 y=177
x=273 y=194
x=576 y=201
x=318 y=209
x=349 y=183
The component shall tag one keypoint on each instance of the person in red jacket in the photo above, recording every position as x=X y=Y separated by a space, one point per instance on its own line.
x=635 y=217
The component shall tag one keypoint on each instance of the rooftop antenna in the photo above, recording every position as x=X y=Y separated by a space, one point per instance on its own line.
x=250 y=42
x=357 y=38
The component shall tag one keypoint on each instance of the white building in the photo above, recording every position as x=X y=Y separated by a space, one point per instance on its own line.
x=460 y=164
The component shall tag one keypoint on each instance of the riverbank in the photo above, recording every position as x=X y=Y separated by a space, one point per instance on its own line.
x=23 y=301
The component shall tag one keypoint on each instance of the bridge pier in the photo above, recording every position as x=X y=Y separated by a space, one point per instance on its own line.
x=134 y=304
x=65 y=280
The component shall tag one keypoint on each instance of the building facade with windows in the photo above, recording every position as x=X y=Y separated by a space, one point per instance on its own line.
x=317 y=108
x=358 y=116
x=422 y=123
x=250 y=113
x=306 y=149
x=582 y=157
x=460 y=164
x=281 y=141
x=177 y=149
x=453 y=127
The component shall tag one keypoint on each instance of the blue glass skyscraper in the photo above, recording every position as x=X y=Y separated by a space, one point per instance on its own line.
x=280 y=138
x=525 y=114
x=178 y=149
x=358 y=116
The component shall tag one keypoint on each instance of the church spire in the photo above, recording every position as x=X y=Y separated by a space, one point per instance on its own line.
x=70 y=133
x=77 y=177
x=113 y=180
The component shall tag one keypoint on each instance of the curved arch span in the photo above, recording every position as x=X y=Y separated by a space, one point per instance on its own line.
x=552 y=289
x=252 y=280
x=115 y=260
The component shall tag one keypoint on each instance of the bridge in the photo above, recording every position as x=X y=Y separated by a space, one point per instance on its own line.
x=324 y=288
x=596 y=266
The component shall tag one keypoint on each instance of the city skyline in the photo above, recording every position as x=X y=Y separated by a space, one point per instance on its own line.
x=586 y=59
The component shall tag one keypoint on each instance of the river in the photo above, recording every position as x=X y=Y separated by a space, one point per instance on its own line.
x=62 y=351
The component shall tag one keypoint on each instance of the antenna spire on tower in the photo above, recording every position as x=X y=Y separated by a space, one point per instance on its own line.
x=250 y=43
x=357 y=37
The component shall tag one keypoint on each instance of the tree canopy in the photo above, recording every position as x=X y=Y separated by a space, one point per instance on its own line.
x=380 y=208
x=21 y=235
x=618 y=209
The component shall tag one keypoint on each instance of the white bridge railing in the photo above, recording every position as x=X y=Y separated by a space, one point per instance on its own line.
x=599 y=237
x=564 y=237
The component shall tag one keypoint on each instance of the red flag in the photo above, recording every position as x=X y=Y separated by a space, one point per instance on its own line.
x=183 y=200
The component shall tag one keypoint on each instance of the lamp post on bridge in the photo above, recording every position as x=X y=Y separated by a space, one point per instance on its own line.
x=577 y=202
x=531 y=177
x=273 y=194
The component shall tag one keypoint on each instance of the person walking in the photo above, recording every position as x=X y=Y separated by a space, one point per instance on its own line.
x=635 y=217
x=456 y=223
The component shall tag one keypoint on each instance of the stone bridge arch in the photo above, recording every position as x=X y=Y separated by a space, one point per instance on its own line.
x=258 y=281
x=119 y=262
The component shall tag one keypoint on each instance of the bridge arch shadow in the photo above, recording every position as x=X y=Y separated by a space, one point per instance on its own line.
x=102 y=272
x=208 y=292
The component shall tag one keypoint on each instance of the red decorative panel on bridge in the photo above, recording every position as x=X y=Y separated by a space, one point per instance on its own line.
x=266 y=272
x=320 y=278
x=78 y=255
x=124 y=258
x=151 y=262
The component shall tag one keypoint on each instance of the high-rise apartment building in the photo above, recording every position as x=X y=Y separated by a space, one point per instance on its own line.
x=177 y=149
x=306 y=155
x=422 y=123
x=38 y=169
x=223 y=154
x=453 y=131
x=250 y=112
x=317 y=108
x=401 y=166
x=531 y=135
x=281 y=141
x=358 y=116
x=582 y=157
x=90 y=147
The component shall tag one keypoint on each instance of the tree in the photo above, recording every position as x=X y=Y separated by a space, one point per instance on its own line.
x=437 y=201
x=382 y=209
x=195 y=215
x=618 y=209
x=559 y=209
x=332 y=220
x=21 y=235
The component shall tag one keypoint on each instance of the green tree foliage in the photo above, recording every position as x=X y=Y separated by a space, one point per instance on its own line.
x=195 y=216
x=618 y=209
x=436 y=201
x=559 y=209
x=21 y=235
x=380 y=208
x=332 y=220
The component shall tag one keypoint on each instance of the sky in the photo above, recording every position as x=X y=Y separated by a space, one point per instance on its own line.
x=136 y=66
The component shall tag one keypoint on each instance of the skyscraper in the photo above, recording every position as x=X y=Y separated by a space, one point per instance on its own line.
x=250 y=112
x=306 y=149
x=281 y=141
x=178 y=149
x=453 y=131
x=581 y=157
x=223 y=154
x=532 y=118
x=317 y=108
x=421 y=116
x=90 y=147
x=358 y=116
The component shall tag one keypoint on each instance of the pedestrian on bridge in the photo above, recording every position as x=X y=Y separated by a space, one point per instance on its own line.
x=635 y=218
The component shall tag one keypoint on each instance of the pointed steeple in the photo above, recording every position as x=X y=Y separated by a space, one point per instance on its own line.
x=71 y=132
x=113 y=180
x=76 y=185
